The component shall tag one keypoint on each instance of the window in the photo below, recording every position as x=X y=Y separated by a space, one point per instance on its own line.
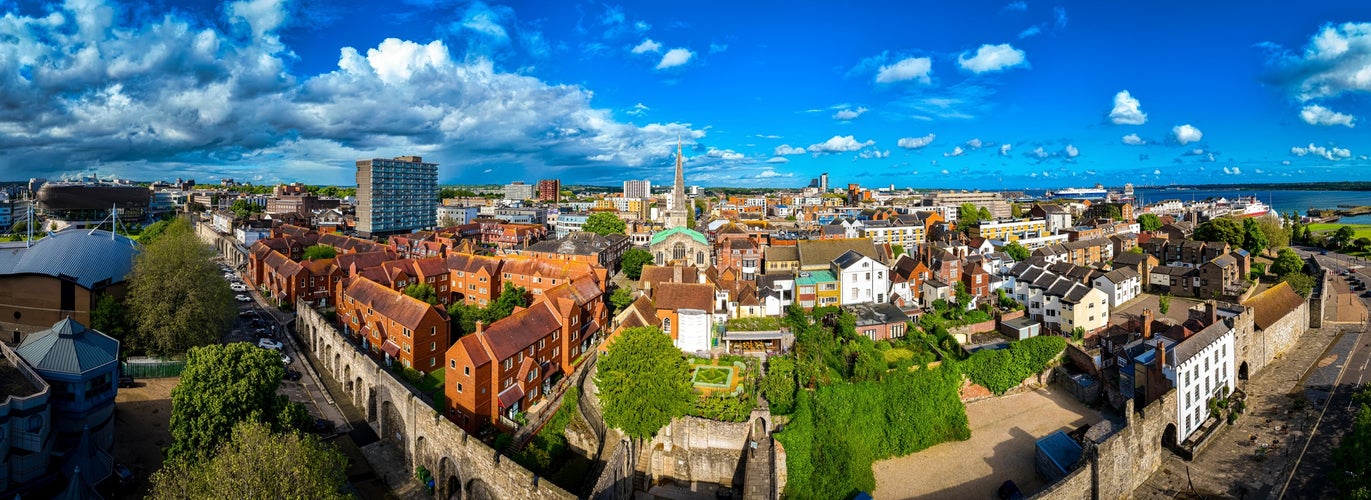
x=453 y=364
x=509 y=363
x=542 y=343
x=466 y=370
x=432 y=346
x=432 y=362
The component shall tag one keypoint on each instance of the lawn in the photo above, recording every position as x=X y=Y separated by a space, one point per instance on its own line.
x=432 y=384
x=713 y=376
x=1363 y=230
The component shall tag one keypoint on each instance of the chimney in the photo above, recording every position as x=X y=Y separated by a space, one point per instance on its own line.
x=480 y=327
x=1211 y=312
x=1147 y=323
x=1161 y=355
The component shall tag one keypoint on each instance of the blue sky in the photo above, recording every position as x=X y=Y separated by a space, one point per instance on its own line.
x=972 y=94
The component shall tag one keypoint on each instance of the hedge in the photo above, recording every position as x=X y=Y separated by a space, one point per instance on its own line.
x=1002 y=370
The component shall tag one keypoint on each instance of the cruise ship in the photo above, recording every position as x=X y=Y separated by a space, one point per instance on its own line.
x=1095 y=193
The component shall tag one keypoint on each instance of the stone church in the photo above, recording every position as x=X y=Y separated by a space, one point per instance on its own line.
x=678 y=244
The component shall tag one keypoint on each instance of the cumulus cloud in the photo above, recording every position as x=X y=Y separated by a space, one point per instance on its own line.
x=1127 y=110
x=1285 y=162
x=915 y=142
x=839 y=144
x=1315 y=114
x=648 y=45
x=785 y=149
x=873 y=154
x=1186 y=134
x=957 y=151
x=1330 y=153
x=992 y=58
x=1336 y=60
x=912 y=68
x=674 y=58
x=849 y=114
x=1071 y=151
x=769 y=173
x=1156 y=171
x=725 y=154
x=1232 y=170
x=163 y=96
x=974 y=143
x=1004 y=149
x=778 y=159
x=1133 y=140
x=1039 y=153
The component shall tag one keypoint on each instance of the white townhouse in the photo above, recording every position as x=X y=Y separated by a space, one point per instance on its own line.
x=861 y=279
x=1120 y=285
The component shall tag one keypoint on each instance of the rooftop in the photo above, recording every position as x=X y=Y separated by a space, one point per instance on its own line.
x=69 y=348
x=87 y=257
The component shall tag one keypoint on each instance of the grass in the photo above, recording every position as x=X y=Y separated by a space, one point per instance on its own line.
x=1363 y=230
x=712 y=376
x=432 y=384
x=896 y=354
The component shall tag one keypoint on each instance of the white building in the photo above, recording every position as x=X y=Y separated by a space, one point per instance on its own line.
x=1120 y=285
x=637 y=189
x=458 y=214
x=1202 y=367
x=517 y=190
x=694 y=330
x=861 y=278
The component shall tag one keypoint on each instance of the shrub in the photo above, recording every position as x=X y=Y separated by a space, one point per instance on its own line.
x=779 y=384
x=1002 y=370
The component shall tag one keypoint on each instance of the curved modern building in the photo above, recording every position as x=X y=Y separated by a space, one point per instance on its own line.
x=82 y=204
x=62 y=275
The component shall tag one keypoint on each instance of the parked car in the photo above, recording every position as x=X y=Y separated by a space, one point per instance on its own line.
x=262 y=332
x=238 y=287
x=285 y=359
x=243 y=298
x=123 y=473
x=266 y=343
x=126 y=381
x=246 y=314
x=323 y=426
x=293 y=375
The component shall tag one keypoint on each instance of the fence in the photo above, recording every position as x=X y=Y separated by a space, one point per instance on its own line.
x=152 y=367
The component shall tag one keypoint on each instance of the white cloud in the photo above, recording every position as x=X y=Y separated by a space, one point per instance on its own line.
x=767 y=136
x=642 y=26
x=1232 y=170
x=1039 y=153
x=1004 y=149
x=1186 y=134
x=913 y=68
x=648 y=45
x=482 y=20
x=974 y=143
x=1156 y=171
x=779 y=159
x=839 y=144
x=675 y=57
x=1210 y=158
x=769 y=174
x=1133 y=140
x=725 y=154
x=874 y=154
x=915 y=142
x=992 y=58
x=1331 y=154
x=1059 y=14
x=1260 y=171
x=785 y=149
x=1315 y=114
x=1285 y=162
x=639 y=109
x=1071 y=151
x=944 y=171
x=715 y=48
x=849 y=114
x=1018 y=6
x=1127 y=110
x=1335 y=61
x=1030 y=31
x=957 y=151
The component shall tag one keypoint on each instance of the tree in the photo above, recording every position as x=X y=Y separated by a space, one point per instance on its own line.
x=1352 y=471
x=1287 y=261
x=1015 y=210
x=1222 y=229
x=510 y=297
x=779 y=384
x=111 y=318
x=1361 y=244
x=633 y=261
x=320 y=252
x=1302 y=283
x=896 y=250
x=984 y=214
x=644 y=382
x=1164 y=303
x=176 y=297
x=154 y=230
x=1277 y=234
x=223 y=385
x=1149 y=222
x=1343 y=235
x=1254 y=239
x=968 y=216
x=1112 y=212
x=604 y=224
x=257 y=463
x=1016 y=251
x=422 y=291
x=242 y=209
x=621 y=299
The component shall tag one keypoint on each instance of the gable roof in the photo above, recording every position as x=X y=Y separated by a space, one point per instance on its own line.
x=848 y=259
x=1273 y=304
x=677 y=296
x=822 y=252
x=403 y=309
x=521 y=329
x=783 y=253
x=654 y=275
x=661 y=236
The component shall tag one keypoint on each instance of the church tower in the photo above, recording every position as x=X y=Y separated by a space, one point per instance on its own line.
x=681 y=211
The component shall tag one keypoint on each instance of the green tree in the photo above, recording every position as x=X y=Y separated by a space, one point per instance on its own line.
x=968 y=216
x=1277 y=234
x=111 y=318
x=604 y=224
x=510 y=297
x=256 y=463
x=1287 y=261
x=242 y=209
x=176 y=297
x=1352 y=471
x=1149 y=222
x=223 y=385
x=1222 y=229
x=1017 y=251
x=1164 y=303
x=1015 y=210
x=320 y=252
x=1362 y=244
x=896 y=250
x=620 y=299
x=633 y=261
x=422 y=291
x=1254 y=239
x=644 y=382
x=154 y=230
x=779 y=384
x=1302 y=283
x=984 y=214
x=1342 y=236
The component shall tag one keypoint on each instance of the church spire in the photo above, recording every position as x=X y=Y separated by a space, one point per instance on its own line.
x=679 y=212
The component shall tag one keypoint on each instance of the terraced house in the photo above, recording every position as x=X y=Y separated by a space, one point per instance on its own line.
x=405 y=329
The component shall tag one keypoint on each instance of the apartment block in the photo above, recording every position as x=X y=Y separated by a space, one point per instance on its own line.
x=395 y=195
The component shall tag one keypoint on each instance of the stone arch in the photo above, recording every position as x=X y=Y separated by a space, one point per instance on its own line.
x=359 y=394
x=477 y=489
x=370 y=402
x=347 y=378
x=760 y=427
x=421 y=455
x=336 y=361
x=392 y=424
x=1169 y=436
x=450 y=484
x=1242 y=371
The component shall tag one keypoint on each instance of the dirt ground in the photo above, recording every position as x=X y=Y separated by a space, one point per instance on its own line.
x=1003 y=433
x=142 y=416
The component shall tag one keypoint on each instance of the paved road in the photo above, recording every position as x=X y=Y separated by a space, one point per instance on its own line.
x=1331 y=387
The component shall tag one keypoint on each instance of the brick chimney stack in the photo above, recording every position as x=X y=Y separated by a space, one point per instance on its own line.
x=1161 y=355
x=1211 y=312
x=480 y=327
x=1147 y=323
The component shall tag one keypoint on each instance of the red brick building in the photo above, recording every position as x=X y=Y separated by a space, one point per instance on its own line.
x=500 y=370
x=405 y=329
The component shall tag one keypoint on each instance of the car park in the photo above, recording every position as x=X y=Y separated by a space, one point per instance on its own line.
x=243 y=298
x=270 y=344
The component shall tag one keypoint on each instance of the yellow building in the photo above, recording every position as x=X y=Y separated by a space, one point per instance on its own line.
x=1010 y=230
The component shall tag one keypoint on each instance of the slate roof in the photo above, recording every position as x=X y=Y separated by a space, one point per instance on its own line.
x=1273 y=304
x=822 y=252
x=677 y=296
x=1130 y=259
x=876 y=314
x=578 y=243
x=848 y=259
x=68 y=348
x=1120 y=275
x=86 y=257
x=1191 y=346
